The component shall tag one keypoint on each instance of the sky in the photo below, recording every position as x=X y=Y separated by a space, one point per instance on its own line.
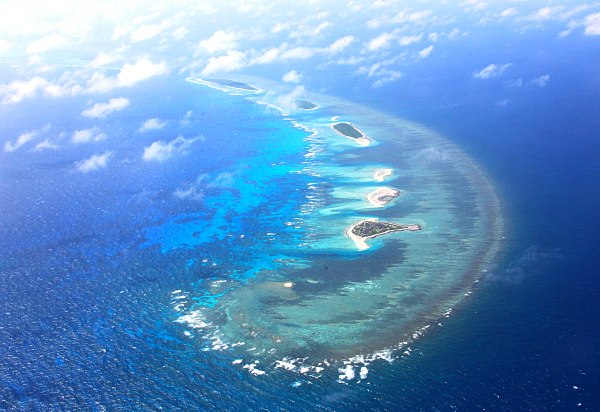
x=65 y=48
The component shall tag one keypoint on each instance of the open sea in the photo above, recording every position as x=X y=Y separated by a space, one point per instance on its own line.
x=157 y=280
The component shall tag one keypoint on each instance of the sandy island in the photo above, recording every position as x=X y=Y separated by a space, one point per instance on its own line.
x=381 y=174
x=370 y=228
x=382 y=196
x=348 y=130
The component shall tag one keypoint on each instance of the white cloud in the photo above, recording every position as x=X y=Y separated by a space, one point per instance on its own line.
x=102 y=59
x=68 y=83
x=121 y=30
x=51 y=41
x=308 y=31
x=453 y=35
x=473 y=5
x=87 y=135
x=147 y=31
x=287 y=101
x=180 y=33
x=45 y=145
x=592 y=24
x=380 y=42
x=17 y=90
x=339 y=45
x=233 y=60
x=195 y=190
x=143 y=69
x=24 y=138
x=383 y=40
x=280 y=27
x=292 y=77
x=386 y=76
x=129 y=75
x=352 y=61
x=509 y=12
x=160 y=151
x=103 y=109
x=379 y=71
x=545 y=13
x=187 y=119
x=152 y=124
x=220 y=41
x=224 y=180
x=270 y=55
x=406 y=40
x=369 y=70
x=542 y=80
x=425 y=52
x=514 y=83
x=4 y=46
x=95 y=162
x=558 y=13
x=490 y=71
x=298 y=53
x=418 y=17
x=192 y=192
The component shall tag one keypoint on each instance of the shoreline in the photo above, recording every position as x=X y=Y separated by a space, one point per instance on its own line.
x=360 y=241
x=363 y=140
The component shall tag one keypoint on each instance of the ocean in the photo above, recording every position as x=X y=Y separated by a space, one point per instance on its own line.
x=139 y=282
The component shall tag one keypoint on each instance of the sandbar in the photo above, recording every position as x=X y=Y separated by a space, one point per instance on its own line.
x=370 y=228
x=382 y=196
x=381 y=174
x=348 y=130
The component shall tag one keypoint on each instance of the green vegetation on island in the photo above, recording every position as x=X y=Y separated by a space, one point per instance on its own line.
x=371 y=228
x=305 y=104
x=346 y=129
x=232 y=83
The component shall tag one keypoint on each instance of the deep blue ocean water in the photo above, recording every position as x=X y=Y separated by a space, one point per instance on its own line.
x=90 y=261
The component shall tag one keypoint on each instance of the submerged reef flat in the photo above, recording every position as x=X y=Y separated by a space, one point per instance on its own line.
x=348 y=130
x=305 y=104
x=309 y=286
x=231 y=83
x=382 y=196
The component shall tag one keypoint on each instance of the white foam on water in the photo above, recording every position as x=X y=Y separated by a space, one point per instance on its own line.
x=363 y=372
x=347 y=373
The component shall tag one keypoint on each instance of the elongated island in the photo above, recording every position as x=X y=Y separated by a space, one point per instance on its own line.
x=232 y=84
x=370 y=228
x=348 y=130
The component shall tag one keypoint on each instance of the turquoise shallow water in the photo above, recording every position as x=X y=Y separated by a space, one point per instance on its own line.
x=307 y=294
